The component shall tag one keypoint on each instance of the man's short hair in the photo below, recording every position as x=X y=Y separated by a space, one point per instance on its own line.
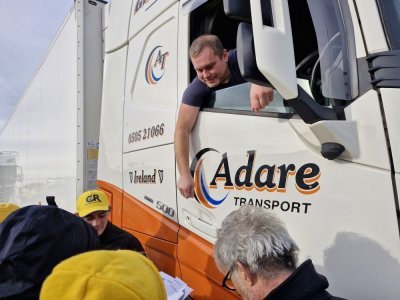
x=207 y=40
x=256 y=238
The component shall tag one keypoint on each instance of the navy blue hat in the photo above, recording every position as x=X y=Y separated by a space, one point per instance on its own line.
x=33 y=240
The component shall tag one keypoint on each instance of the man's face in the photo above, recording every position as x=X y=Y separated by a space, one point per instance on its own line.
x=210 y=68
x=98 y=220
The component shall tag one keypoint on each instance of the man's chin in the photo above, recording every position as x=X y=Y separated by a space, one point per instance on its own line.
x=100 y=231
x=212 y=84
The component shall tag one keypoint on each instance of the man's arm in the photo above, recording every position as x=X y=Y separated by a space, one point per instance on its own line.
x=186 y=118
x=260 y=96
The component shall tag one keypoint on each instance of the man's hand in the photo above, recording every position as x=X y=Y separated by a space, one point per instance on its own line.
x=260 y=97
x=186 y=186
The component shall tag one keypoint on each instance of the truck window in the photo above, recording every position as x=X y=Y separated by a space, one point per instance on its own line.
x=237 y=98
x=336 y=47
x=390 y=13
x=210 y=18
x=324 y=46
x=325 y=52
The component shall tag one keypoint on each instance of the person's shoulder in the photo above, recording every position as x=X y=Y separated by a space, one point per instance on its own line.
x=115 y=229
x=135 y=245
x=196 y=93
x=121 y=232
x=236 y=76
x=118 y=238
x=232 y=52
x=129 y=241
x=197 y=86
x=232 y=55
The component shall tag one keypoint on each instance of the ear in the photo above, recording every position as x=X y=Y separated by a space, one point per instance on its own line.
x=225 y=55
x=245 y=274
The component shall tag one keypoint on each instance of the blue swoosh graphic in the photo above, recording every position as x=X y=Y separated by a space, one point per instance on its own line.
x=207 y=195
x=155 y=78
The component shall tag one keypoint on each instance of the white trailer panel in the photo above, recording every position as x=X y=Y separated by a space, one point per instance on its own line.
x=54 y=128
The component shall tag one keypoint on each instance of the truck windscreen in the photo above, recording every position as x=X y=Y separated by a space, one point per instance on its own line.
x=390 y=14
x=336 y=47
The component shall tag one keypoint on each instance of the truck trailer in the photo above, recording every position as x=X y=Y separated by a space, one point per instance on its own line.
x=54 y=129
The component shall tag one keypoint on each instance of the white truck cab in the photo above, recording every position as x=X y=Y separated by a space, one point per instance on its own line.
x=324 y=156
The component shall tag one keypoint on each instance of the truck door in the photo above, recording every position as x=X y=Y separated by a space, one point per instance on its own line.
x=149 y=201
x=341 y=210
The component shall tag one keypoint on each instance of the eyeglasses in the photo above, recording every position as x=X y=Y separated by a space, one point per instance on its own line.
x=227 y=282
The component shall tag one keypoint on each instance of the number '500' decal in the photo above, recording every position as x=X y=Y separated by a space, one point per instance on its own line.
x=165 y=209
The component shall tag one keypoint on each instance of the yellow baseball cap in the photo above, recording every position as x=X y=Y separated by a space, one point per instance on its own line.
x=92 y=201
x=6 y=209
x=103 y=275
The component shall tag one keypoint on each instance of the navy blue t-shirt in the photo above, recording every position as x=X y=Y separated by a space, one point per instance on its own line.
x=198 y=93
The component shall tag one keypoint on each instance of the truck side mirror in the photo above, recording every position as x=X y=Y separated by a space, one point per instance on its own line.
x=274 y=46
x=246 y=58
x=273 y=63
x=309 y=110
x=254 y=64
x=276 y=63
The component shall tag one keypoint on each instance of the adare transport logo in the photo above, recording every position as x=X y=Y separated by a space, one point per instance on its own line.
x=155 y=66
x=248 y=177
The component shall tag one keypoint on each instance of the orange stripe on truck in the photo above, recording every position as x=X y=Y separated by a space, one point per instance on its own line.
x=198 y=268
x=173 y=249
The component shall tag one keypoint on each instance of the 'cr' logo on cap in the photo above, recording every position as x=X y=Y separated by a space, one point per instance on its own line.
x=93 y=198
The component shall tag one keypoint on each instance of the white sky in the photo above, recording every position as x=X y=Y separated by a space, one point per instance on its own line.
x=27 y=28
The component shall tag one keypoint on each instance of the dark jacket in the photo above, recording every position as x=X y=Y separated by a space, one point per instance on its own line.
x=304 y=284
x=33 y=240
x=114 y=238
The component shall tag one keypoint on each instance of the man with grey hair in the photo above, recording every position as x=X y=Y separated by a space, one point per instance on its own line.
x=259 y=258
